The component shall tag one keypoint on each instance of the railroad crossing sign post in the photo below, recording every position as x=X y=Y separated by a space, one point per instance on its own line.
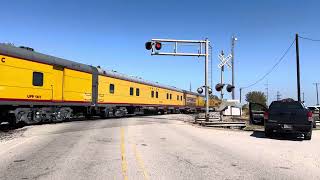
x=155 y=46
x=223 y=61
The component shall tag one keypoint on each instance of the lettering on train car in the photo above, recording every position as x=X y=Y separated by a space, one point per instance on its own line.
x=31 y=96
x=3 y=60
x=190 y=101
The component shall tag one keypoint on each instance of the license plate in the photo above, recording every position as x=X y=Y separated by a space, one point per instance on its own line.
x=287 y=126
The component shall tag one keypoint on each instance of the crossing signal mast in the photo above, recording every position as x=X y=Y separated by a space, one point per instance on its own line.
x=224 y=61
x=155 y=46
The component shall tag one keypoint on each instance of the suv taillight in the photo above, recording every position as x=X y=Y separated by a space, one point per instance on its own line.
x=309 y=114
x=266 y=115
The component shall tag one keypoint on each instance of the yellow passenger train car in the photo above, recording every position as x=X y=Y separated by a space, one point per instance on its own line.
x=35 y=88
x=135 y=94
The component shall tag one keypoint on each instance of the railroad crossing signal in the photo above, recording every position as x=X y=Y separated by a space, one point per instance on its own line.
x=152 y=45
x=155 y=45
x=224 y=60
x=200 y=90
x=220 y=86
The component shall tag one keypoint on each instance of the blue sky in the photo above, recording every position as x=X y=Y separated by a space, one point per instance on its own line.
x=112 y=33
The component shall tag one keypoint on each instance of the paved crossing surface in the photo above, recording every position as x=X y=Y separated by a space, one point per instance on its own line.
x=154 y=147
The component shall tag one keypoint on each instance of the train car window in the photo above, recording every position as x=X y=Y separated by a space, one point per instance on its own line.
x=152 y=94
x=181 y=98
x=131 y=91
x=167 y=96
x=111 y=88
x=37 y=79
x=170 y=96
x=137 y=92
x=177 y=97
x=157 y=94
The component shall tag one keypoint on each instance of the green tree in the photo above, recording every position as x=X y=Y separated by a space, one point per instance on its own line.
x=256 y=97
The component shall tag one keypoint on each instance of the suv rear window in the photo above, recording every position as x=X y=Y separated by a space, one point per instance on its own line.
x=286 y=105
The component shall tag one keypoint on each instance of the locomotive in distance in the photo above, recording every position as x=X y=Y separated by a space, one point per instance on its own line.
x=36 y=87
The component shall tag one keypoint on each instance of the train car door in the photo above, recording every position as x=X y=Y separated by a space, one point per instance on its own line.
x=57 y=85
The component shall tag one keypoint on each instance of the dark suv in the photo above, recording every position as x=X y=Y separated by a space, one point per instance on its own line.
x=288 y=116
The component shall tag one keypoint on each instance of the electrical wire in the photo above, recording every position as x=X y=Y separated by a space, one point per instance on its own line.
x=273 y=67
x=310 y=39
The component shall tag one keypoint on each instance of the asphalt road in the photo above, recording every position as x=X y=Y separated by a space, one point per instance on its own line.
x=159 y=147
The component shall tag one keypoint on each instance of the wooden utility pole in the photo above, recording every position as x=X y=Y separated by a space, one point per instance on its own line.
x=298 y=68
x=240 y=94
x=317 y=92
x=267 y=92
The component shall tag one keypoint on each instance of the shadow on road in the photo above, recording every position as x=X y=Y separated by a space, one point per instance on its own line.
x=278 y=136
x=164 y=118
x=6 y=128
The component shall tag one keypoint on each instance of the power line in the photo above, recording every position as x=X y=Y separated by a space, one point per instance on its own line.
x=310 y=39
x=273 y=67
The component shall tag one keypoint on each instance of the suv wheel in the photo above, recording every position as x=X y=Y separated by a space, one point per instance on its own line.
x=307 y=136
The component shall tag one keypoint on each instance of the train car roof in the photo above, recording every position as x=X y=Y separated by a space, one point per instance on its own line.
x=10 y=50
x=118 y=75
x=28 y=54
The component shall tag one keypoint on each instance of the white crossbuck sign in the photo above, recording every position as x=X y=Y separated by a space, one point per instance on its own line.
x=224 y=60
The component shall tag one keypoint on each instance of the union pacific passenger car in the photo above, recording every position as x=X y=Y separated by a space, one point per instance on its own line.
x=35 y=88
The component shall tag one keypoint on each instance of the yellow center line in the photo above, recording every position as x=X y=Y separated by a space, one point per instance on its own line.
x=123 y=156
x=140 y=162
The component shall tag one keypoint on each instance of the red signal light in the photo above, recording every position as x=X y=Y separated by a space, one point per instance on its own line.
x=158 y=46
x=219 y=87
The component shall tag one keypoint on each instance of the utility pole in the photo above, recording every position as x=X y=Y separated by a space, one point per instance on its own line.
x=211 y=84
x=233 y=39
x=317 y=92
x=278 y=96
x=298 y=67
x=190 y=87
x=240 y=94
x=303 y=97
x=267 y=92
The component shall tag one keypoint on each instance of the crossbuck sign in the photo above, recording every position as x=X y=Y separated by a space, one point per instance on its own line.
x=224 y=60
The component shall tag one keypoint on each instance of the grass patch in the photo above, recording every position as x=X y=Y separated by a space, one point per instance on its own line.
x=253 y=128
